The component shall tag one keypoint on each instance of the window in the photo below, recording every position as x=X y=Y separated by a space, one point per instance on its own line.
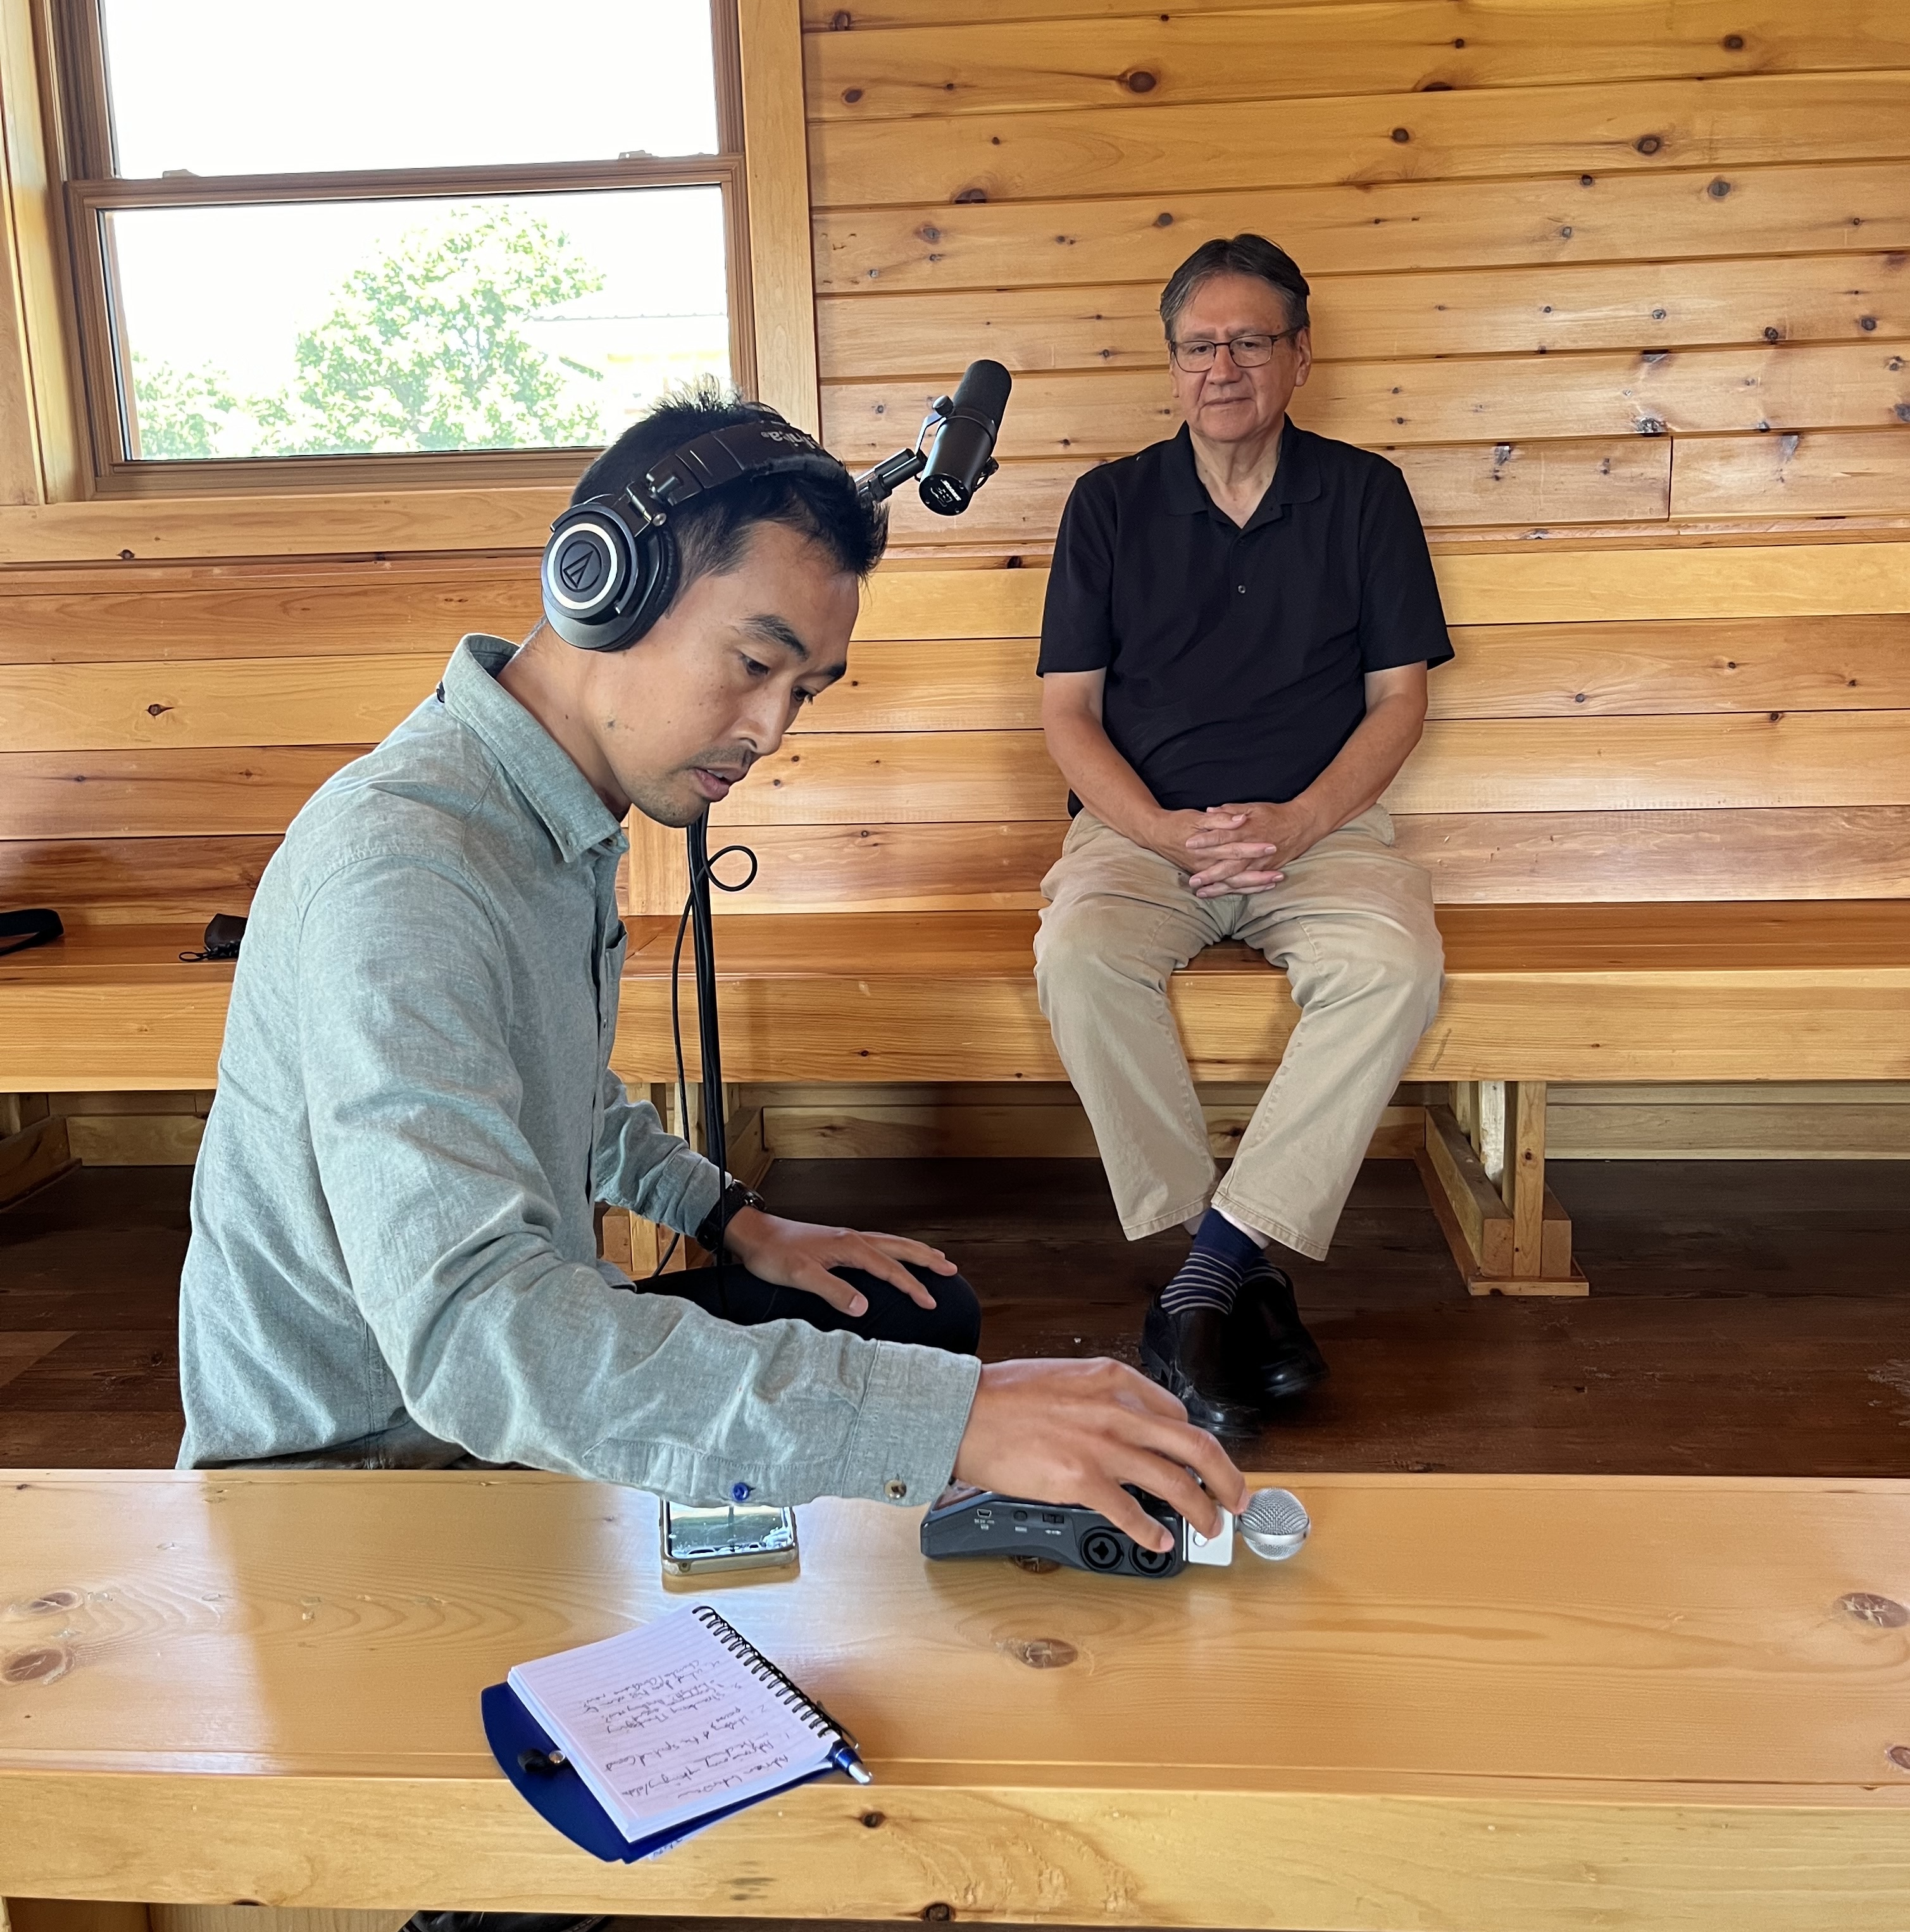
x=393 y=240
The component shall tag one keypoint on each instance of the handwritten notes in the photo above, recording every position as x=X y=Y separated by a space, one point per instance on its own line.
x=668 y=1723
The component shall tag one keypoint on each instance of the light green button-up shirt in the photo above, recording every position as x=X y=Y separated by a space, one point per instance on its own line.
x=393 y=1256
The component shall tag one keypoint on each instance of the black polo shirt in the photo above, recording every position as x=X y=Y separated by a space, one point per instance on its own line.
x=1235 y=656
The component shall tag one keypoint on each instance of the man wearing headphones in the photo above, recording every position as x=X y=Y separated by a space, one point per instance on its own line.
x=393 y=1261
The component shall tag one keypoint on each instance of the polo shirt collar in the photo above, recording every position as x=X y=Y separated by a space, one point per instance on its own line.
x=542 y=771
x=1295 y=479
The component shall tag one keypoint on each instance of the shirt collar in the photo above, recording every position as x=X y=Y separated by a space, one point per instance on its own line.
x=542 y=771
x=1295 y=479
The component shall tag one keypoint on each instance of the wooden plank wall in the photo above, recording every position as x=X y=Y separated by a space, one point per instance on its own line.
x=161 y=724
x=1608 y=265
x=1737 y=726
x=1622 y=282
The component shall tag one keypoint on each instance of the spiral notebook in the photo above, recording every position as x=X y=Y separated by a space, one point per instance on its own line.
x=666 y=1728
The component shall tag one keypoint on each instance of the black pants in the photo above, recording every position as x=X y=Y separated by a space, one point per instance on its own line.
x=733 y=1293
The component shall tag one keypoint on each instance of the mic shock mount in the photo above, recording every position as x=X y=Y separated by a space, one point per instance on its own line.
x=878 y=485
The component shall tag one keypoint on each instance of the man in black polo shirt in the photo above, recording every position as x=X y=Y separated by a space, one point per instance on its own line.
x=1234 y=655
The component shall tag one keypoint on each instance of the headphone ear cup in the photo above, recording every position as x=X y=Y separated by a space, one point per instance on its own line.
x=658 y=559
x=604 y=583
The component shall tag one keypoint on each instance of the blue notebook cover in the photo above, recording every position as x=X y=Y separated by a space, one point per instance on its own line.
x=562 y=1798
x=554 y=1788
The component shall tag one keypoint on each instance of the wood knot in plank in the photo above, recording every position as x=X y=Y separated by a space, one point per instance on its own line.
x=1042 y=1653
x=51 y=1604
x=1869 y=1608
x=43 y=1663
x=1138 y=80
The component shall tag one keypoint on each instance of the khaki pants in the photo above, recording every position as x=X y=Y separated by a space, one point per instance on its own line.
x=1352 y=923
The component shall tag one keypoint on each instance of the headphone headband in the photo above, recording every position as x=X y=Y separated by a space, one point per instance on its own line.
x=609 y=569
x=740 y=453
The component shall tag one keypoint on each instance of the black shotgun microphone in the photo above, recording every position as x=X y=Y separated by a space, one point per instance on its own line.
x=963 y=458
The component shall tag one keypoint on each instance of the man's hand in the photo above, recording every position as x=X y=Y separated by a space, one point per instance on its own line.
x=1234 y=848
x=799 y=1254
x=1074 y=1432
x=1169 y=833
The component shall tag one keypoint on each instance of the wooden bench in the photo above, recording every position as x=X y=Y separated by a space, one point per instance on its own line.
x=1502 y=1704
x=1664 y=796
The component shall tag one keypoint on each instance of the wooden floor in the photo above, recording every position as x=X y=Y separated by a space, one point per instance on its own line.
x=1746 y=1319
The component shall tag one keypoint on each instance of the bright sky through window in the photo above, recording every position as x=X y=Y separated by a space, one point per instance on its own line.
x=257 y=331
x=261 y=87
x=482 y=318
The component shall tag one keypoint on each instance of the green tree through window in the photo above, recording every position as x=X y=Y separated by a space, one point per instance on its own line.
x=423 y=349
x=186 y=413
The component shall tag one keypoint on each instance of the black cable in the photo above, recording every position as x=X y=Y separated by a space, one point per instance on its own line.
x=683 y=1080
x=702 y=876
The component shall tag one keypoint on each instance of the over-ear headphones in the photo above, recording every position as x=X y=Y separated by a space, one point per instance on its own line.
x=609 y=569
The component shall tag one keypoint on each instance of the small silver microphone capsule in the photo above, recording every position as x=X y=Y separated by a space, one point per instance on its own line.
x=1274 y=1524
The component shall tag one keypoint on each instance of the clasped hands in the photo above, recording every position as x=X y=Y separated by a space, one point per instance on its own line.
x=1235 y=848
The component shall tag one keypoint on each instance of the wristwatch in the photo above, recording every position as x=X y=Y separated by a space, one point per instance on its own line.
x=736 y=1196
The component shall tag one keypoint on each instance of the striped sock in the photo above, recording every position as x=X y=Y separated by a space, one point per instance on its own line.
x=1216 y=1269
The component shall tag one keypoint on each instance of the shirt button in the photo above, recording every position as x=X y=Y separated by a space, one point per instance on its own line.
x=740 y=1492
x=895 y=1489
x=1242 y=588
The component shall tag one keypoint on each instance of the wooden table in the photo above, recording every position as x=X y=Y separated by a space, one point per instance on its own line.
x=1472 y=1703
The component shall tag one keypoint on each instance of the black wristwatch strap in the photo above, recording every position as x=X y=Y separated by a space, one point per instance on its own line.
x=735 y=1197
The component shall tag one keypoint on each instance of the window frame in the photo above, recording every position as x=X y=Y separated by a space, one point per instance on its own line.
x=91 y=189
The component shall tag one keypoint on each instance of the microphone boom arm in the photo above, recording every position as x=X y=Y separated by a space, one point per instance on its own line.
x=872 y=486
x=879 y=485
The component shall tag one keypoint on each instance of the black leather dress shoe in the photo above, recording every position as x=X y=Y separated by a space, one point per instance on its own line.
x=1274 y=1357
x=1191 y=1354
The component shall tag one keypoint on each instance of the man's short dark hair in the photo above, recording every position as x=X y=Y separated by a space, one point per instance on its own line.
x=712 y=531
x=1242 y=255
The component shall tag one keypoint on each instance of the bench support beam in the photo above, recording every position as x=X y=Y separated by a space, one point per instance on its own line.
x=34 y=1150
x=1484 y=1167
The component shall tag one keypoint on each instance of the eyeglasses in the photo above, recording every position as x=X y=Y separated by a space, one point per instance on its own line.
x=1248 y=352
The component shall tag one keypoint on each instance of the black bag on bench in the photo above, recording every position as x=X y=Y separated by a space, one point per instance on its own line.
x=38 y=926
x=223 y=931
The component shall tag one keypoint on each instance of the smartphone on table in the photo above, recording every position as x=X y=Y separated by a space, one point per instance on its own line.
x=730 y=1536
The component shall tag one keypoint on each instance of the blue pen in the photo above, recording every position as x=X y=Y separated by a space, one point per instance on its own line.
x=843 y=1758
